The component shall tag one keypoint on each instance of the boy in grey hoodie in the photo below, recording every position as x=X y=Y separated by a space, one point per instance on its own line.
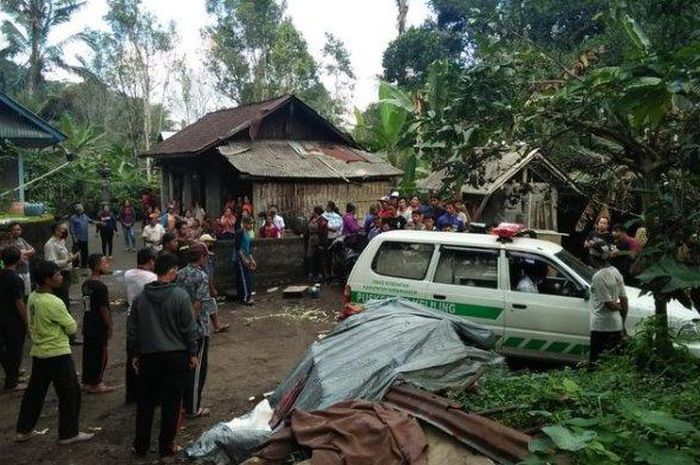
x=162 y=334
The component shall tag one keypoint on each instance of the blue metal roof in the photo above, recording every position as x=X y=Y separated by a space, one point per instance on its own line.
x=23 y=128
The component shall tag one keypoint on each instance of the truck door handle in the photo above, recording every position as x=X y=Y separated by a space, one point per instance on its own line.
x=439 y=297
x=520 y=306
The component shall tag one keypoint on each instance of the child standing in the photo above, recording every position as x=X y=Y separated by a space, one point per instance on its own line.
x=97 y=326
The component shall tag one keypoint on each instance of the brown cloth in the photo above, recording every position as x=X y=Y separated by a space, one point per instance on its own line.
x=350 y=433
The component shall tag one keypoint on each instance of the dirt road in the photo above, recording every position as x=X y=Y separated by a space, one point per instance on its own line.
x=263 y=345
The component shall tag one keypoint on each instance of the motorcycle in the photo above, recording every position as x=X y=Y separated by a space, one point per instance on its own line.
x=344 y=252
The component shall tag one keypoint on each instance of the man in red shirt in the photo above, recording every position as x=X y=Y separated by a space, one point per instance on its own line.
x=384 y=210
x=627 y=249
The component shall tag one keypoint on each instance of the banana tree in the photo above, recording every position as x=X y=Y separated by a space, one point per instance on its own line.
x=27 y=35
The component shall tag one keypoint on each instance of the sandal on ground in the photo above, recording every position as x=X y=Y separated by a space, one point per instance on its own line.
x=171 y=455
x=99 y=389
x=202 y=412
x=80 y=437
x=17 y=388
x=24 y=437
x=222 y=329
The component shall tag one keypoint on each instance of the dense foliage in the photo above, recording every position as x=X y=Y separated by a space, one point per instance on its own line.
x=607 y=88
x=634 y=408
x=257 y=53
x=133 y=82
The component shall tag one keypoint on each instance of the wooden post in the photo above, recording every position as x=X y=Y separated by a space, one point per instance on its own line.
x=186 y=191
x=20 y=175
x=171 y=187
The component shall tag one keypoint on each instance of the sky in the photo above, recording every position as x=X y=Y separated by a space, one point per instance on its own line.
x=366 y=27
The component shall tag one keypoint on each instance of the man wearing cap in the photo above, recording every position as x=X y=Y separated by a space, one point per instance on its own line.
x=79 y=225
x=153 y=233
x=193 y=279
x=608 y=302
x=384 y=207
x=211 y=304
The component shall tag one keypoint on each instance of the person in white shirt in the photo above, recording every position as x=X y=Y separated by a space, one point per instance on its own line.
x=277 y=220
x=198 y=212
x=527 y=285
x=405 y=210
x=608 y=302
x=534 y=272
x=56 y=251
x=153 y=233
x=134 y=280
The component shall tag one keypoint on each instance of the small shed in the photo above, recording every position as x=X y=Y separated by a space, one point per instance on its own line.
x=21 y=128
x=521 y=186
x=275 y=152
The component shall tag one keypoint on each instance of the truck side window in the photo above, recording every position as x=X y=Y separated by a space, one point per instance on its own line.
x=463 y=267
x=533 y=274
x=403 y=260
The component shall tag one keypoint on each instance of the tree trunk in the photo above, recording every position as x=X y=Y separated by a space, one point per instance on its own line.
x=34 y=62
x=663 y=344
x=402 y=6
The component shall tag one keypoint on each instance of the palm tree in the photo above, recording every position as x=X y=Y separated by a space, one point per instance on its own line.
x=27 y=34
x=402 y=5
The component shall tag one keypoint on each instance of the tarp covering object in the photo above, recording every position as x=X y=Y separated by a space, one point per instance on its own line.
x=349 y=433
x=365 y=354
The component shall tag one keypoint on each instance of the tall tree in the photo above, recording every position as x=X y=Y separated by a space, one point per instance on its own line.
x=242 y=40
x=256 y=54
x=194 y=94
x=27 y=35
x=130 y=58
x=402 y=7
x=614 y=100
x=337 y=65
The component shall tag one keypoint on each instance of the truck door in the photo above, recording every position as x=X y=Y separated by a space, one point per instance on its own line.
x=466 y=283
x=547 y=313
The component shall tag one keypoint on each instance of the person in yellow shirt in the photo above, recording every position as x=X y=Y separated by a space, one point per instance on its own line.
x=50 y=326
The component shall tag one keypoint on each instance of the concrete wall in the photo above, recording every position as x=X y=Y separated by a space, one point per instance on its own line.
x=280 y=261
x=34 y=232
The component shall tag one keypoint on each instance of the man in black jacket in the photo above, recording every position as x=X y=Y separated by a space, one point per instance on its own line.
x=161 y=331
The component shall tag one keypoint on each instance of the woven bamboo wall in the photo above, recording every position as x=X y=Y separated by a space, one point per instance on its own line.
x=299 y=198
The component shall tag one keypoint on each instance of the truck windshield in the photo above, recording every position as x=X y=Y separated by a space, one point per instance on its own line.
x=580 y=268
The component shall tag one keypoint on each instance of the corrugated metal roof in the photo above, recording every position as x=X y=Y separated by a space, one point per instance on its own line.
x=497 y=172
x=23 y=128
x=217 y=127
x=214 y=127
x=305 y=160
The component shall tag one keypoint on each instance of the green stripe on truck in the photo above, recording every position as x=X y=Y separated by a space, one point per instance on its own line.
x=557 y=347
x=580 y=349
x=535 y=344
x=513 y=342
x=453 y=308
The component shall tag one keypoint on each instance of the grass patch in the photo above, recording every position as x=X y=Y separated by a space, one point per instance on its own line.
x=632 y=409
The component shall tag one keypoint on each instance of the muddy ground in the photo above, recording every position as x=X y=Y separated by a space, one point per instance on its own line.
x=261 y=348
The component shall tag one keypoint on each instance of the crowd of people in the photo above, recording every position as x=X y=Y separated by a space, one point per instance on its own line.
x=173 y=312
x=172 y=299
